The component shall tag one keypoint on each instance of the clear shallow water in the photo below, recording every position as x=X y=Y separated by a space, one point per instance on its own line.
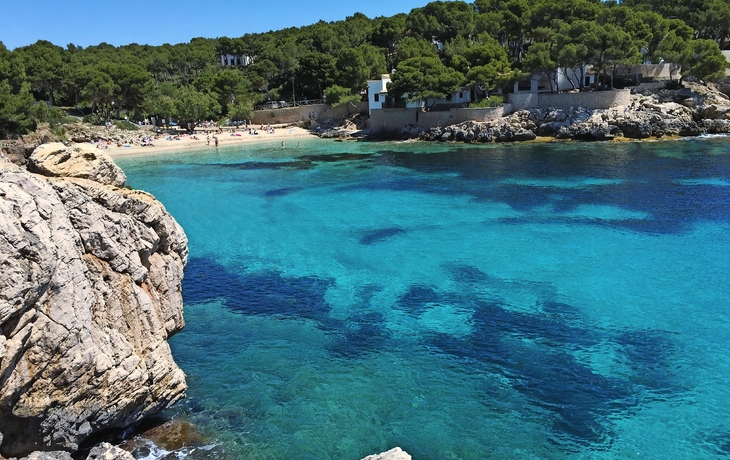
x=521 y=301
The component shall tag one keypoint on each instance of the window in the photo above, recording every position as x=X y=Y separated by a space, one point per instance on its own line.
x=376 y=97
x=461 y=95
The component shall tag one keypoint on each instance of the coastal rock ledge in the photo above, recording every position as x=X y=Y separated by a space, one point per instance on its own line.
x=90 y=291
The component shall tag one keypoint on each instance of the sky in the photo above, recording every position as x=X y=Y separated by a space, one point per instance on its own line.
x=151 y=22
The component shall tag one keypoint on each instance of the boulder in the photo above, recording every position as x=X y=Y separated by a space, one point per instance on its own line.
x=551 y=128
x=393 y=454
x=590 y=131
x=82 y=160
x=106 y=451
x=674 y=127
x=57 y=455
x=716 y=126
x=15 y=153
x=635 y=129
x=432 y=134
x=713 y=112
x=523 y=135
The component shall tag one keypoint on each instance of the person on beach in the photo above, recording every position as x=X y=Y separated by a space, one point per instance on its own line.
x=216 y=141
x=207 y=140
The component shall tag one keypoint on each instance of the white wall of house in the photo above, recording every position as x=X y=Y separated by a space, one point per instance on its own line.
x=230 y=59
x=460 y=97
x=540 y=84
x=570 y=78
x=377 y=91
x=378 y=94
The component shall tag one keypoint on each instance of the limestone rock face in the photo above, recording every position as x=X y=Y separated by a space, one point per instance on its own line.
x=82 y=160
x=393 y=454
x=58 y=455
x=106 y=451
x=689 y=111
x=90 y=291
x=16 y=153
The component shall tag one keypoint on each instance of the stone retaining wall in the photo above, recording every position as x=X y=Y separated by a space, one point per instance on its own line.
x=388 y=119
x=590 y=100
x=320 y=112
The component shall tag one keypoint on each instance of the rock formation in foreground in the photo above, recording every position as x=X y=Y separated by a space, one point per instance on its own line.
x=90 y=291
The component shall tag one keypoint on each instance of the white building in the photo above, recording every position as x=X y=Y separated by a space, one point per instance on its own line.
x=378 y=97
x=459 y=98
x=567 y=80
x=238 y=61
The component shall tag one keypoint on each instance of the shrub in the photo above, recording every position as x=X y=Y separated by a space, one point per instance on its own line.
x=59 y=131
x=491 y=101
x=125 y=125
x=337 y=95
x=94 y=119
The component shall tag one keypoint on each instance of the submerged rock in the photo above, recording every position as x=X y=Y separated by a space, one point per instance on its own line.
x=174 y=435
x=90 y=291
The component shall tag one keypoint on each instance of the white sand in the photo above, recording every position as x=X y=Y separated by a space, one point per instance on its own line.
x=186 y=142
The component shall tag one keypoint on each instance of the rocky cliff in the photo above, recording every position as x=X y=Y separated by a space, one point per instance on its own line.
x=689 y=111
x=90 y=291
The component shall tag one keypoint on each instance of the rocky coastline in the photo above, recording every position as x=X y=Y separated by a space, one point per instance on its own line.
x=90 y=291
x=692 y=110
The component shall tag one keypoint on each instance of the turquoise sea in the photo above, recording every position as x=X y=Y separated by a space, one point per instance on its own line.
x=531 y=301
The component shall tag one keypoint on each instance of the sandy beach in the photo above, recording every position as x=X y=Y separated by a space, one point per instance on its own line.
x=289 y=135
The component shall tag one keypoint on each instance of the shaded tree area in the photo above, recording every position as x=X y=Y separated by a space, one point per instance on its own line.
x=430 y=51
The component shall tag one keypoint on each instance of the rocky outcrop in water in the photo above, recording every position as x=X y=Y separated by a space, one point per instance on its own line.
x=90 y=291
x=393 y=454
x=689 y=111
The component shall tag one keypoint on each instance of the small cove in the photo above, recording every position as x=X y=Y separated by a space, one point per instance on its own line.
x=561 y=300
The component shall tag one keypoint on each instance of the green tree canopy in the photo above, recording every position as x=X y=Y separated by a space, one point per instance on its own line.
x=424 y=78
x=16 y=109
x=338 y=95
x=44 y=67
x=193 y=107
x=706 y=61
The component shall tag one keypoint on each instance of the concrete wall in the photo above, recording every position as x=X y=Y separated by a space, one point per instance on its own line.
x=650 y=72
x=387 y=119
x=321 y=112
x=521 y=101
x=589 y=100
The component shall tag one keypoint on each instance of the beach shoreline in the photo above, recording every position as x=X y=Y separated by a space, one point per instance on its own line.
x=288 y=135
